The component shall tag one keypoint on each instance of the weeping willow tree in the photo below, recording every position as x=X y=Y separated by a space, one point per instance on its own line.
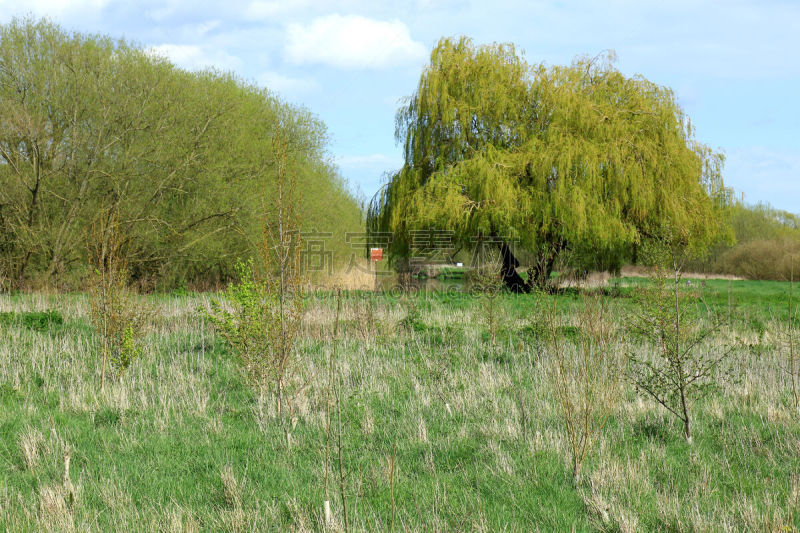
x=575 y=159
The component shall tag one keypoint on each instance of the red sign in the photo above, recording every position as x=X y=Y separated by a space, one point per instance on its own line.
x=376 y=254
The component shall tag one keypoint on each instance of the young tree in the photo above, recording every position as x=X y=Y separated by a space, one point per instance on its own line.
x=586 y=377
x=486 y=281
x=555 y=158
x=683 y=369
x=267 y=304
x=114 y=314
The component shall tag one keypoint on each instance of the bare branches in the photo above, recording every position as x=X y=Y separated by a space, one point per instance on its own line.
x=681 y=370
x=585 y=376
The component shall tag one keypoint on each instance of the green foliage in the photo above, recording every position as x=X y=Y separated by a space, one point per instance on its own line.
x=412 y=321
x=576 y=159
x=88 y=121
x=129 y=350
x=244 y=317
x=33 y=320
x=766 y=239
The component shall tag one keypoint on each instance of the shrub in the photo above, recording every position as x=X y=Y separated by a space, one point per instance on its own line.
x=681 y=370
x=116 y=318
x=250 y=319
x=585 y=373
x=760 y=259
x=265 y=311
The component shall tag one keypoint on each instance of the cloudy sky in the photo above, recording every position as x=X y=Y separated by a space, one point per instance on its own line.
x=735 y=66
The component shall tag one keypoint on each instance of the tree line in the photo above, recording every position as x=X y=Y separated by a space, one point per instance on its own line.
x=93 y=126
x=767 y=245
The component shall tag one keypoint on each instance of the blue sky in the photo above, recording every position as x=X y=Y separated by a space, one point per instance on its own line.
x=735 y=66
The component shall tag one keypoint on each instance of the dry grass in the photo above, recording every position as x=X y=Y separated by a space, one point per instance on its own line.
x=480 y=441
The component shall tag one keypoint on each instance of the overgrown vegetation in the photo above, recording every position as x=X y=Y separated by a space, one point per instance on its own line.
x=88 y=121
x=458 y=441
x=116 y=318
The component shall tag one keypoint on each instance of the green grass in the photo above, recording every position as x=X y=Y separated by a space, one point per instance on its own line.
x=35 y=320
x=181 y=442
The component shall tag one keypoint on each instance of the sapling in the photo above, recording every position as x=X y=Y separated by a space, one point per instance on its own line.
x=681 y=370
x=261 y=313
x=585 y=376
x=488 y=282
x=114 y=313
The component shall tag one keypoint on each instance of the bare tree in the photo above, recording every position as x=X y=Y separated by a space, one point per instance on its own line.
x=681 y=370
x=585 y=376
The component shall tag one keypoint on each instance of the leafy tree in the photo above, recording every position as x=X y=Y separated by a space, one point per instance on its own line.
x=564 y=158
x=88 y=121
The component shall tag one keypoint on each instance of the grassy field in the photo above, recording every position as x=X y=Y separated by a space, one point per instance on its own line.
x=460 y=432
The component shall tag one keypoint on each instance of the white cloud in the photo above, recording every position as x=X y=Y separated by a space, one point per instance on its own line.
x=352 y=41
x=286 y=85
x=55 y=8
x=195 y=57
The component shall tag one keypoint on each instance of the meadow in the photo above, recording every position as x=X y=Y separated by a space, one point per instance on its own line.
x=448 y=422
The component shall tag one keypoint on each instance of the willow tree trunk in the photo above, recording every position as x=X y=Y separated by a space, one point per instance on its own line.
x=508 y=268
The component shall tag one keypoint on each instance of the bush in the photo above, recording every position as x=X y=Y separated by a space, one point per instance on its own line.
x=761 y=259
x=34 y=320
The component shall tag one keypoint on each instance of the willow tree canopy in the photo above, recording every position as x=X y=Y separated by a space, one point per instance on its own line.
x=556 y=158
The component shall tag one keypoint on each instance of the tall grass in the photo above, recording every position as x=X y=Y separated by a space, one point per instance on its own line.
x=435 y=433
